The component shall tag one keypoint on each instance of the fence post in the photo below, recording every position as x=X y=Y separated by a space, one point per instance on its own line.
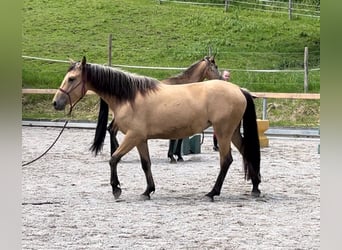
x=264 y=108
x=290 y=9
x=226 y=5
x=306 y=69
x=110 y=50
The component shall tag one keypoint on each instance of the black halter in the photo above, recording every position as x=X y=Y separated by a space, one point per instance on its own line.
x=83 y=82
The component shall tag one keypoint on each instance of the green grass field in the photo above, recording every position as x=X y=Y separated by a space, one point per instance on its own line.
x=146 y=33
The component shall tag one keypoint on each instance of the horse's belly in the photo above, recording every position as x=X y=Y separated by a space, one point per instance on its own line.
x=176 y=130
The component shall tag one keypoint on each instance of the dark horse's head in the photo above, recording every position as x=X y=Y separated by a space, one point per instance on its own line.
x=212 y=71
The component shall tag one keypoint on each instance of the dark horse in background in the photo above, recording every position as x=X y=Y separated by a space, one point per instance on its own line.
x=205 y=68
x=144 y=108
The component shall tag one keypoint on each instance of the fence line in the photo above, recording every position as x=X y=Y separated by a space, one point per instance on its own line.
x=263 y=95
x=274 y=95
x=260 y=6
x=176 y=68
x=236 y=1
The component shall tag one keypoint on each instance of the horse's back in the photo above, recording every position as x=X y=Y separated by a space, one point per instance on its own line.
x=211 y=87
x=224 y=100
x=222 y=89
x=213 y=99
x=205 y=96
x=177 y=111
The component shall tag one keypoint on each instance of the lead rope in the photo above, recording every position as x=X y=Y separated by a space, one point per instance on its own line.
x=84 y=76
x=60 y=133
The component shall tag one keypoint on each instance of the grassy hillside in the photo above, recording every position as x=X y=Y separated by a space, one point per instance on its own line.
x=147 y=33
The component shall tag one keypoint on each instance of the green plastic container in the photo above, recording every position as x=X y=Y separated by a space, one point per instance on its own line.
x=195 y=144
x=190 y=145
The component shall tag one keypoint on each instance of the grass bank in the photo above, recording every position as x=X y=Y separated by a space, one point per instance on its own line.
x=146 y=33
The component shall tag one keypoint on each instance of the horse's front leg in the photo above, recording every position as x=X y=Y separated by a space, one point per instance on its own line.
x=127 y=145
x=114 y=180
x=179 y=150
x=170 y=152
x=146 y=166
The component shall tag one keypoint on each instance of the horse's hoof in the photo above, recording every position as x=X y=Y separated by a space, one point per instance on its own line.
x=145 y=197
x=117 y=193
x=208 y=198
x=180 y=159
x=255 y=193
x=173 y=161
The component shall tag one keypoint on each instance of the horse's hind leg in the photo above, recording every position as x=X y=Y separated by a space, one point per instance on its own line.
x=170 y=152
x=255 y=181
x=226 y=160
x=179 y=150
x=255 y=177
x=146 y=166
x=237 y=140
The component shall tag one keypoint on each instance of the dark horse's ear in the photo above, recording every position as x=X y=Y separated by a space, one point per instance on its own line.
x=212 y=59
x=84 y=61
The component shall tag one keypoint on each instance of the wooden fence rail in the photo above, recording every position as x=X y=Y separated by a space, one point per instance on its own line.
x=45 y=91
x=312 y=96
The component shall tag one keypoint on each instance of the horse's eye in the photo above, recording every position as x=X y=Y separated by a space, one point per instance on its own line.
x=71 y=79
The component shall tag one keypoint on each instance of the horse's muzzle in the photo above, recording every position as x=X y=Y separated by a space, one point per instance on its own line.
x=58 y=105
x=59 y=101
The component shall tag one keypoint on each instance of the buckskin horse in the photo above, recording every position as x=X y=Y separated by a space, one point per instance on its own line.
x=144 y=109
x=205 y=68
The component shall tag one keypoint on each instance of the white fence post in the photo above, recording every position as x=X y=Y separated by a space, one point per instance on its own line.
x=226 y=5
x=306 y=69
x=264 y=108
x=110 y=50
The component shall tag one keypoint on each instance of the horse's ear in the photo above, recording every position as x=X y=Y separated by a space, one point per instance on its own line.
x=84 y=61
x=71 y=61
x=212 y=59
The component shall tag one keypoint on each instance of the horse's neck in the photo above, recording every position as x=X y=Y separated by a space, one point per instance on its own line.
x=184 y=78
x=179 y=80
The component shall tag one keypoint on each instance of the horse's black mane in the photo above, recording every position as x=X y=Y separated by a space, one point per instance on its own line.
x=123 y=85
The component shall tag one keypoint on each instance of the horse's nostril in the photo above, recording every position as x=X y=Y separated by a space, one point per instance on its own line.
x=55 y=105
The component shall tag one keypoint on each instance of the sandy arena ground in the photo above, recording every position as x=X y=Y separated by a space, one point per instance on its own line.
x=67 y=201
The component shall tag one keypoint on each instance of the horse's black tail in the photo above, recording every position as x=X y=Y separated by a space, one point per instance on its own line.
x=251 y=142
x=101 y=128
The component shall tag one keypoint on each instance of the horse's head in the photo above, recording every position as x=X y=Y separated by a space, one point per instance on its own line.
x=212 y=71
x=73 y=86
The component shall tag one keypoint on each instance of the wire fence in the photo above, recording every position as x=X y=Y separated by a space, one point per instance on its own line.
x=174 y=68
x=291 y=7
